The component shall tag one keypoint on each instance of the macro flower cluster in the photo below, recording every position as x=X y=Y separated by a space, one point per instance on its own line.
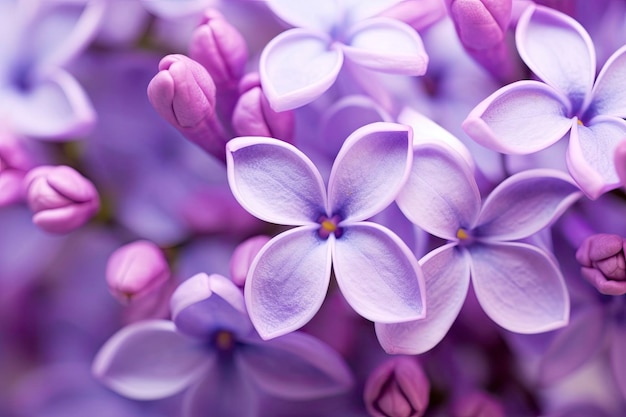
x=312 y=208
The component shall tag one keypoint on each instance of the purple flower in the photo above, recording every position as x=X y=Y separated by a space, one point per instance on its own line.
x=602 y=262
x=300 y=64
x=518 y=285
x=211 y=349
x=528 y=116
x=477 y=404
x=289 y=278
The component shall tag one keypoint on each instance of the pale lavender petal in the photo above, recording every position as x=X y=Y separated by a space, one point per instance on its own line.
x=205 y=303
x=521 y=118
x=618 y=356
x=609 y=92
x=175 y=9
x=223 y=391
x=441 y=195
x=321 y=15
x=525 y=203
x=363 y=9
x=378 y=275
x=295 y=366
x=298 y=66
x=446 y=277
x=274 y=181
x=287 y=282
x=559 y=51
x=519 y=287
x=150 y=360
x=574 y=345
x=590 y=154
x=386 y=45
x=369 y=171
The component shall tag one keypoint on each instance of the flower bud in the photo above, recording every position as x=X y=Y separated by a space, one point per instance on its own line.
x=243 y=256
x=220 y=48
x=602 y=261
x=480 y=24
x=397 y=388
x=62 y=199
x=253 y=115
x=477 y=404
x=136 y=270
x=183 y=93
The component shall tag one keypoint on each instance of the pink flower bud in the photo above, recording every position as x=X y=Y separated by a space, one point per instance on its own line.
x=220 y=48
x=603 y=264
x=183 y=93
x=477 y=404
x=253 y=115
x=62 y=199
x=397 y=388
x=136 y=270
x=480 y=24
x=243 y=256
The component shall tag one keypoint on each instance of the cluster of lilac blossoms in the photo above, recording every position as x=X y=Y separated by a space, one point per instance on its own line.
x=329 y=208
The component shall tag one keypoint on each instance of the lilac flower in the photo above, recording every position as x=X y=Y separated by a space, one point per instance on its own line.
x=528 y=116
x=601 y=257
x=211 y=349
x=300 y=64
x=518 y=285
x=289 y=278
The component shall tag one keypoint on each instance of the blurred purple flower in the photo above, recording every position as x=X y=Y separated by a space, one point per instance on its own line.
x=602 y=262
x=302 y=63
x=518 y=285
x=477 y=404
x=528 y=116
x=289 y=278
x=242 y=258
x=211 y=349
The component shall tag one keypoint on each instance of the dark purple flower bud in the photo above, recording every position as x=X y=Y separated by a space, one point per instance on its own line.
x=253 y=115
x=603 y=264
x=397 y=388
x=243 y=256
x=183 y=93
x=477 y=404
x=62 y=199
x=220 y=48
x=136 y=270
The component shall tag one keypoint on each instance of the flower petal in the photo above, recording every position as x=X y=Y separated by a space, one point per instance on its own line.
x=609 y=92
x=447 y=277
x=618 y=360
x=590 y=154
x=378 y=275
x=520 y=118
x=274 y=181
x=559 y=51
x=298 y=66
x=386 y=45
x=295 y=366
x=320 y=15
x=519 y=287
x=150 y=360
x=525 y=203
x=441 y=194
x=287 y=281
x=371 y=167
x=203 y=304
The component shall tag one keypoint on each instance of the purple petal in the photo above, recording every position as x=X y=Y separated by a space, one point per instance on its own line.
x=321 y=15
x=175 y=9
x=618 y=359
x=386 y=45
x=521 y=118
x=559 y=51
x=525 y=203
x=441 y=194
x=447 y=277
x=298 y=66
x=274 y=181
x=574 y=345
x=519 y=287
x=609 y=92
x=203 y=304
x=620 y=161
x=590 y=154
x=371 y=167
x=288 y=281
x=150 y=360
x=295 y=366
x=378 y=275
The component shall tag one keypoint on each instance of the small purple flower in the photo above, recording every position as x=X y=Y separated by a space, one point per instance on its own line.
x=518 y=285
x=302 y=63
x=61 y=199
x=289 y=278
x=602 y=262
x=211 y=349
x=528 y=116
